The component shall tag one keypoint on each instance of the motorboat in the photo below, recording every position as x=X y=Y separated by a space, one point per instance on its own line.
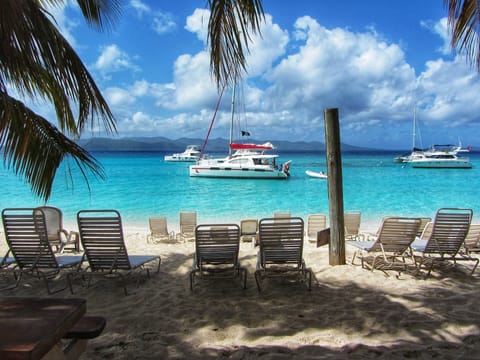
x=433 y=151
x=191 y=154
x=318 y=175
x=248 y=161
x=436 y=156
x=440 y=161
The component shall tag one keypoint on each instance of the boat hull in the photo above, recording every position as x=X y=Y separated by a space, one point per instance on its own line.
x=426 y=164
x=172 y=158
x=316 y=174
x=241 y=173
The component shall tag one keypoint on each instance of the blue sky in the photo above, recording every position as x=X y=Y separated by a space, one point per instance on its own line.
x=373 y=60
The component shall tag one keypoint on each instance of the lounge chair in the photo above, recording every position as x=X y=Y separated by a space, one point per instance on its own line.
x=281 y=250
x=249 y=230
x=281 y=215
x=352 y=225
x=159 y=230
x=101 y=234
x=188 y=223
x=26 y=235
x=216 y=252
x=472 y=241
x=447 y=235
x=57 y=234
x=391 y=246
x=315 y=223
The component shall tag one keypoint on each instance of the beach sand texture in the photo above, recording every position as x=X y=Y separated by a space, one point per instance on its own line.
x=351 y=313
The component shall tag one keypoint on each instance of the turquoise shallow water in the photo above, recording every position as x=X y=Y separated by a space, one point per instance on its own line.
x=140 y=185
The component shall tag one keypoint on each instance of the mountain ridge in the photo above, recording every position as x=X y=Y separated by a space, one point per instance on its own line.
x=214 y=145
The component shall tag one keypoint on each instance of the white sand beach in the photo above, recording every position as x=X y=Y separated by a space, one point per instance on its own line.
x=351 y=313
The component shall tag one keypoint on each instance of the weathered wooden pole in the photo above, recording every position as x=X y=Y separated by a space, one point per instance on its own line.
x=335 y=187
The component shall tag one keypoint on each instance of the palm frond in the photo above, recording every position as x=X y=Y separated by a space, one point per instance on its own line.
x=38 y=61
x=464 y=21
x=102 y=14
x=231 y=24
x=34 y=148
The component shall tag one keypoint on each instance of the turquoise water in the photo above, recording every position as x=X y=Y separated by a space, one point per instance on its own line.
x=140 y=185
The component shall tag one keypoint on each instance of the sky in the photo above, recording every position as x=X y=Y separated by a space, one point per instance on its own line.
x=374 y=60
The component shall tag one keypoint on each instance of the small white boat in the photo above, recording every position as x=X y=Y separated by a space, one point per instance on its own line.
x=191 y=154
x=320 y=175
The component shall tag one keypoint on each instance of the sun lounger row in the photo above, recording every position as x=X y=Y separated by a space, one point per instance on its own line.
x=101 y=234
x=280 y=251
x=397 y=246
x=159 y=230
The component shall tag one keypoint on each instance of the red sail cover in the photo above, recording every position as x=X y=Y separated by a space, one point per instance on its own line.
x=236 y=146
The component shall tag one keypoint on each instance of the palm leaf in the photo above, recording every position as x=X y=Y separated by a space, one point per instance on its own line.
x=34 y=148
x=229 y=29
x=464 y=20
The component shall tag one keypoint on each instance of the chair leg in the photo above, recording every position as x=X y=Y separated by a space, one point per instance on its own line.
x=257 y=280
x=192 y=275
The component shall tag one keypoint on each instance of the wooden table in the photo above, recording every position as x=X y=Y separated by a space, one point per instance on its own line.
x=31 y=327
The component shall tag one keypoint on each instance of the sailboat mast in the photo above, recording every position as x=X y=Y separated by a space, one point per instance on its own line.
x=414 y=125
x=231 y=120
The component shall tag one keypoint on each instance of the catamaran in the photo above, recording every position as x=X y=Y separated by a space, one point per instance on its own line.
x=244 y=160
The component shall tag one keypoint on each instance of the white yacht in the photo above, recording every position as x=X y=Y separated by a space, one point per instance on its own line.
x=191 y=154
x=248 y=161
x=444 y=160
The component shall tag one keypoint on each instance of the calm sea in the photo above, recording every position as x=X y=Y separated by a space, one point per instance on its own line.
x=141 y=184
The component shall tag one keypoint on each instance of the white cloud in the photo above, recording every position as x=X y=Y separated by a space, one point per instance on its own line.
x=162 y=22
x=140 y=7
x=449 y=93
x=113 y=59
x=117 y=97
x=356 y=72
x=198 y=23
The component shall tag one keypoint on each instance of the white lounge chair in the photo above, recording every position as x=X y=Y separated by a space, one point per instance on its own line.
x=447 y=235
x=57 y=234
x=281 y=250
x=188 y=223
x=101 y=234
x=315 y=223
x=26 y=235
x=391 y=245
x=159 y=230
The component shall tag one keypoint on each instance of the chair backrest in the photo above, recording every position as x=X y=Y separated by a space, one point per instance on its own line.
x=473 y=237
x=101 y=234
x=396 y=234
x=450 y=227
x=281 y=242
x=26 y=236
x=217 y=244
x=188 y=222
x=54 y=222
x=315 y=223
x=352 y=223
x=248 y=227
x=158 y=225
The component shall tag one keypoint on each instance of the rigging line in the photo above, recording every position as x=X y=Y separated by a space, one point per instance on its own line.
x=211 y=123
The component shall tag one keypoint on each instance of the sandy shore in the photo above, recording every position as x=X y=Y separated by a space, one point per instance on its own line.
x=351 y=313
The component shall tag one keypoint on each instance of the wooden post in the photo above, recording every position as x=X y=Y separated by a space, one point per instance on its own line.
x=335 y=188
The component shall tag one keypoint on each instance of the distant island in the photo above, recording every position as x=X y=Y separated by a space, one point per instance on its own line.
x=214 y=145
